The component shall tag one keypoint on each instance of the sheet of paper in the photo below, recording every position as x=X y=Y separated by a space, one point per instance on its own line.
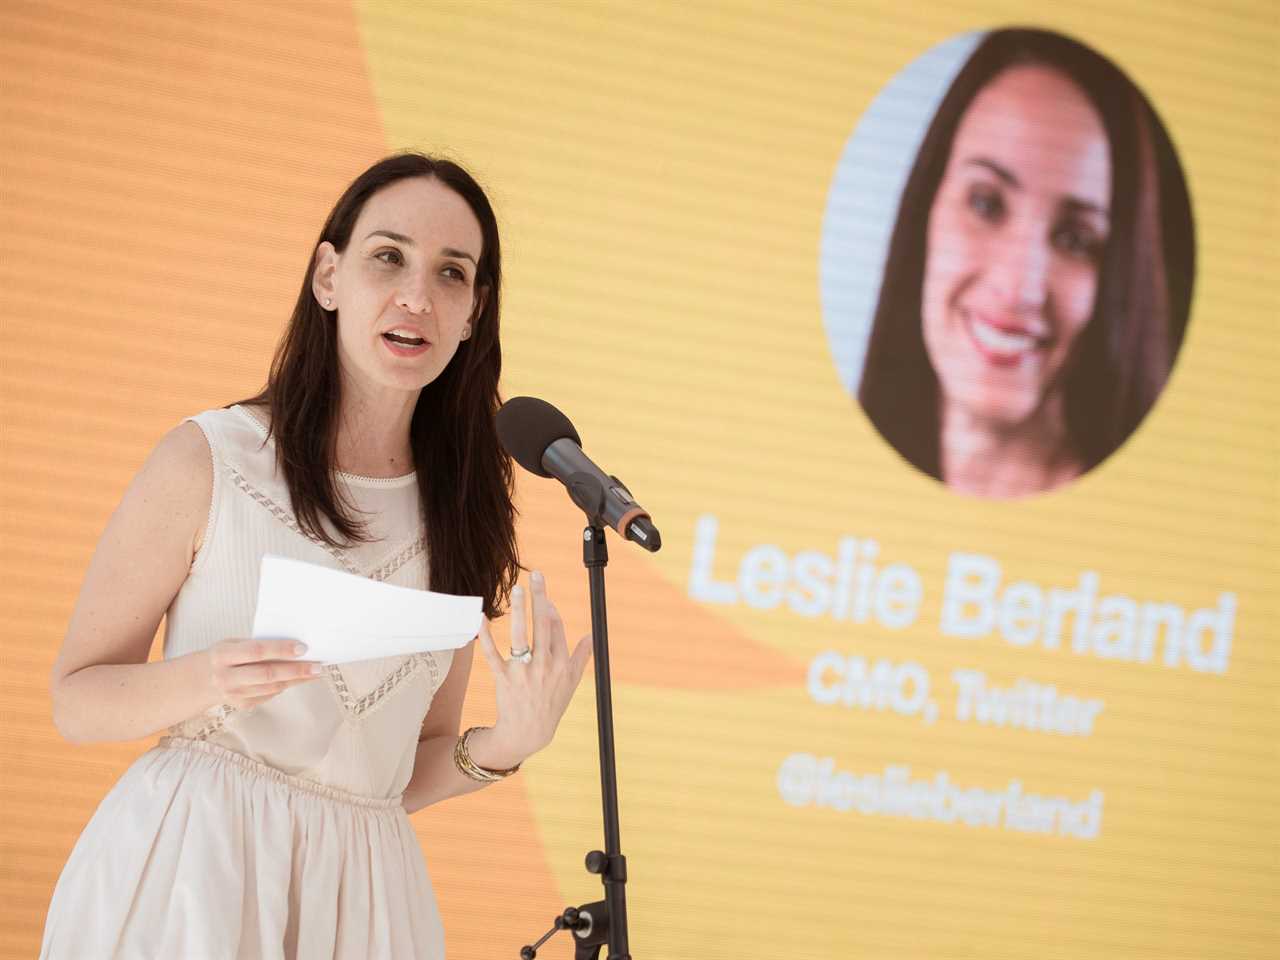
x=342 y=617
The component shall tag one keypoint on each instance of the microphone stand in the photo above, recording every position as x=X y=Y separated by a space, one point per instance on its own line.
x=594 y=924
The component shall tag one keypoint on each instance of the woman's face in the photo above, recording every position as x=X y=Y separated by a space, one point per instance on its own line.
x=1015 y=237
x=404 y=288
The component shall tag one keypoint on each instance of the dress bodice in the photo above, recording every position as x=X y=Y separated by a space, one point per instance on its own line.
x=356 y=728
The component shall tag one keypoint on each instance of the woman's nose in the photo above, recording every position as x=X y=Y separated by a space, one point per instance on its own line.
x=1018 y=268
x=414 y=295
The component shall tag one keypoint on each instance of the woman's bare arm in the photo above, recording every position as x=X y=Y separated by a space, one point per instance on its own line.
x=435 y=777
x=103 y=688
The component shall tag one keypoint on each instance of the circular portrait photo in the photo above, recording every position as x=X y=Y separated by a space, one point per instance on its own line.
x=1007 y=261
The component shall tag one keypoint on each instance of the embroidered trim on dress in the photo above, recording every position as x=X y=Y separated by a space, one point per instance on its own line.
x=287 y=518
x=214 y=722
x=279 y=776
x=410 y=551
x=362 y=706
x=355 y=707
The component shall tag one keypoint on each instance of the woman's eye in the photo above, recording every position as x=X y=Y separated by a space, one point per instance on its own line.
x=1077 y=240
x=455 y=273
x=986 y=202
x=389 y=256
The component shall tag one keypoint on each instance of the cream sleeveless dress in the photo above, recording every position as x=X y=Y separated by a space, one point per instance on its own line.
x=277 y=832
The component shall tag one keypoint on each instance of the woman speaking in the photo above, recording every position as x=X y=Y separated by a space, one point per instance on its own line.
x=271 y=819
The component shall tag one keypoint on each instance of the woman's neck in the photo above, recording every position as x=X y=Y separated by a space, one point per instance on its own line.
x=373 y=432
x=1001 y=461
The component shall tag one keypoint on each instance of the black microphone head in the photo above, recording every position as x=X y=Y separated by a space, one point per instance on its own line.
x=527 y=426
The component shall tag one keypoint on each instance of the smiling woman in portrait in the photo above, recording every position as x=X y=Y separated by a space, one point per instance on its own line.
x=1039 y=274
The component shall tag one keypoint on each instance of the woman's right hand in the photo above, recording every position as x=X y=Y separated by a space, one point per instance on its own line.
x=244 y=673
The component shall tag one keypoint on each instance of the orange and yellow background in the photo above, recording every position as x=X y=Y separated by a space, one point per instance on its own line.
x=661 y=171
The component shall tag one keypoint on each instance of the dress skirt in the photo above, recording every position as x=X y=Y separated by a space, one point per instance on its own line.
x=202 y=853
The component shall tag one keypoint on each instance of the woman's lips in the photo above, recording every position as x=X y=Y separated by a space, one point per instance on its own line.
x=1001 y=346
x=405 y=349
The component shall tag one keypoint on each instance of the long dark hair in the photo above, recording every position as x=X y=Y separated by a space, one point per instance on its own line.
x=1122 y=358
x=464 y=475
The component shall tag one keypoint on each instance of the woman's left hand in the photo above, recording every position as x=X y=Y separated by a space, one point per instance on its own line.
x=532 y=696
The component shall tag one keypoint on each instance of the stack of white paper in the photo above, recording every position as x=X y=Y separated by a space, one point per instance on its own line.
x=342 y=617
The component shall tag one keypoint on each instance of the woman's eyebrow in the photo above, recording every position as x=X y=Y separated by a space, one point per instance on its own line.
x=452 y=252
x=392 y=235
x=1008 y=176
x=1004 y=173
x=1075 y=204
x=409 y=241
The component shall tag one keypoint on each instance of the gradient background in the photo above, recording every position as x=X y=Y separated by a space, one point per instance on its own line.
x=661 y=171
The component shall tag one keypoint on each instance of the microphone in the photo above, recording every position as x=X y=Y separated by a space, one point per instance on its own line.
x=542 y=440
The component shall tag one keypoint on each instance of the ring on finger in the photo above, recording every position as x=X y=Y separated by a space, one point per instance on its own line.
x=522 y=656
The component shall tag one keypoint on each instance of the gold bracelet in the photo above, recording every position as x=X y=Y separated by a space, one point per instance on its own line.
x=469 y=768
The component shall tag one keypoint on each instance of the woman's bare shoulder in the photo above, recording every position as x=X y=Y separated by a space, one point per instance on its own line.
x=175 y=485
x=182 y=453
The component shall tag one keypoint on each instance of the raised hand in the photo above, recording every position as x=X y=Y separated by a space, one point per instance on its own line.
x=532 y=692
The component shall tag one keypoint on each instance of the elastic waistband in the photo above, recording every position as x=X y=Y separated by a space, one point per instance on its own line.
x=260 y=769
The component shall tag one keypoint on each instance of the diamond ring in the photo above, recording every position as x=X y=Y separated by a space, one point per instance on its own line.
x=522 y=656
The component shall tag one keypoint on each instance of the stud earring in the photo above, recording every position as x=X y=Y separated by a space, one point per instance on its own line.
x=328 y=302
x=466 y=333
